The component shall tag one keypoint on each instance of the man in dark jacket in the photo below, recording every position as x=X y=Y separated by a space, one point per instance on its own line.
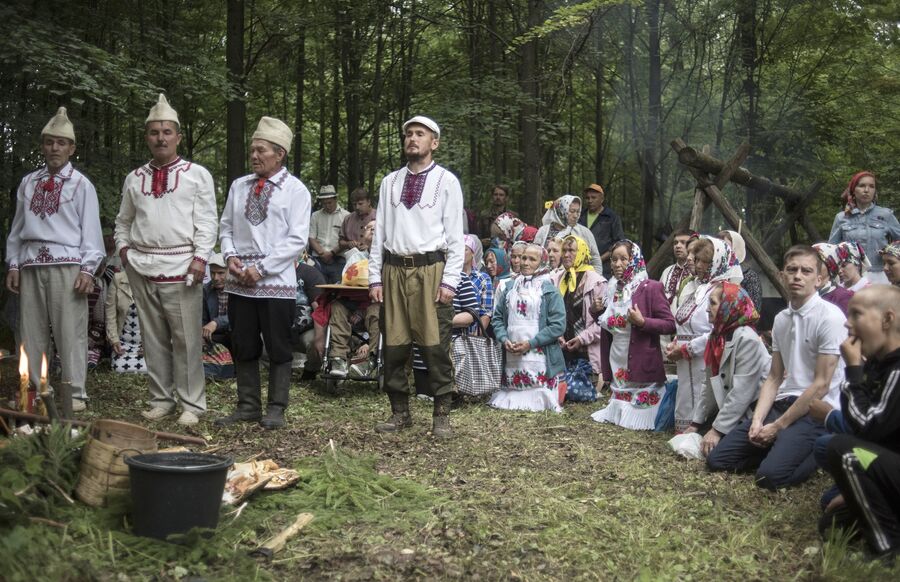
x=865 y=463
x=215 y=304
x=603 y=223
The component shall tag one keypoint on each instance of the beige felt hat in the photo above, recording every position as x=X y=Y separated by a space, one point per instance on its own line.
x=275 y=131
x=162 y=111
x=60 y=126
x=217 y=260
x=426 y=121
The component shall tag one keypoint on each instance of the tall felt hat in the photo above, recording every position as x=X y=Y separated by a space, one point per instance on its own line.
x=275 y=131
x=60 y=126
x=426 y=121
x=162 y=111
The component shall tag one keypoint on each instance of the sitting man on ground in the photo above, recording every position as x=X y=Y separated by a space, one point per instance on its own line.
x=215 y=303
x=865 y=463
x=343 y=312
x=778 y=441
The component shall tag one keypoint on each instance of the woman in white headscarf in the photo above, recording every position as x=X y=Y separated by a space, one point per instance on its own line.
x=561 y=220
x=711 y=261
x=741 y=274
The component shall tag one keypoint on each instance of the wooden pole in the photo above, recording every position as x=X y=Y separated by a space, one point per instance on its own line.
x=164 y=436
x=710 y=165
x=793 y=215
x=756 y=249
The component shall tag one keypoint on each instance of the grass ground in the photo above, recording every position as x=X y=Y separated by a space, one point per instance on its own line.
x=513 y=496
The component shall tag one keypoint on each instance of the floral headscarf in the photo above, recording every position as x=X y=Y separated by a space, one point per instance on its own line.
x=892 y=249
x=510 y=225
x=832 y=259
x=634 y=274
x=474 y=245
x=502 y=263
x=721 y=269
x=569 y=281
x=853 y=252
x=849 y=195
x=558 y=212
x=735 y=310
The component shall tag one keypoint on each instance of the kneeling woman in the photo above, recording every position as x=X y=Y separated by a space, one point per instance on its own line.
x=637 y=314
x=528 y=319
x=736 y=364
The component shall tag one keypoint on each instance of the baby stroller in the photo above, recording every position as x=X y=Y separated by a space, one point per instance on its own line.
x=359 y=336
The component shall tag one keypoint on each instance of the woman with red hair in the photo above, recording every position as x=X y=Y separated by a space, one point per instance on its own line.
x=863 y=221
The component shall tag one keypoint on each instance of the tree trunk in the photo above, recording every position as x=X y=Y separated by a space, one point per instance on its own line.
x=530 y=203
x=651 y=137
x=298 y=105
x=236 y=109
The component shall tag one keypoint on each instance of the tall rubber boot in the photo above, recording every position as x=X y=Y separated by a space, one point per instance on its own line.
x=279 y=390
x=440 y=427
x=400 y=417
x=249 y=388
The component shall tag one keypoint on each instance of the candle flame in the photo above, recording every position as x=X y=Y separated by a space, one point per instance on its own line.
x=43 y=370
x=23 y=362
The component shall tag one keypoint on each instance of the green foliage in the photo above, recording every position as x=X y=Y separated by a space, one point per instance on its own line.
x=37 y=473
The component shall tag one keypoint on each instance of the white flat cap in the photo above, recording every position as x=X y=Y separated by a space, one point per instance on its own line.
x=217 y=260
x=275 y=131
x=162 y=111
x=426 y=121
x=60 y=126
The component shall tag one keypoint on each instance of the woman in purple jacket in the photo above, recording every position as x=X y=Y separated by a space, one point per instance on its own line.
x=637 y=313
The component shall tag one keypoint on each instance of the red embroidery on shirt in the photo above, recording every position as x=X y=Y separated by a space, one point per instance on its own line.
x=47 y=194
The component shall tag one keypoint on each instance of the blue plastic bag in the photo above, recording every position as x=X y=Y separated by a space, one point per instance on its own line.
x=665 y=415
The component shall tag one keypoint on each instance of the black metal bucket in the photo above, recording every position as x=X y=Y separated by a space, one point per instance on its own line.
x=174 y=492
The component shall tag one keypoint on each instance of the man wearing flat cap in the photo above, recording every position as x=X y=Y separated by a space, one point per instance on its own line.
x=324 y=235
x=165 y=232
x=414 y=268
x=604 y=224
x=264 y=230
x=55 y=246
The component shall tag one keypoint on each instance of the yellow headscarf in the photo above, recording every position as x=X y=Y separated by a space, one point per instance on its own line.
x=569 y=280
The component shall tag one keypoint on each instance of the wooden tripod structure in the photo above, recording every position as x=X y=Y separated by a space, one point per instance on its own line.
x=712 y=175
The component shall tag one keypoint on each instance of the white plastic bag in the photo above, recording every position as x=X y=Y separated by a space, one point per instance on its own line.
x=687 y=445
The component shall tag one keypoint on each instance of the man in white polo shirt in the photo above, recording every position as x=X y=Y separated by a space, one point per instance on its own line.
x=414 y=267
x=806 y=365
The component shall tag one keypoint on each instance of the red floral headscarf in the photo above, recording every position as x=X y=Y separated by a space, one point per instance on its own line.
x=735 y=310
x=849 y=197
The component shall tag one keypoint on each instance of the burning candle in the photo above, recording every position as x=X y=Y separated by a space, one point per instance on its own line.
x=44 y=382
x=23 y=380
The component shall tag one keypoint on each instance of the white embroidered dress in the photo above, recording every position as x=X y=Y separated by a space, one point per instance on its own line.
x=267 y=229
x=525 y=381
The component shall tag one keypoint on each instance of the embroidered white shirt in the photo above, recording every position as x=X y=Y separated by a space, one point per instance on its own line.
x=433 y=223
x=56 y=222
x=800 y=336
x=268 y=230
x=166 y=230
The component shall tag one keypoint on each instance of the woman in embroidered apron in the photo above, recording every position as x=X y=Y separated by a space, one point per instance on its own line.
x=529 y=319
x=712 y=261
x=736 y=360
x=637 y=313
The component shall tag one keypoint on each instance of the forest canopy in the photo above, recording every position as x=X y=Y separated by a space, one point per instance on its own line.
x=544 y=96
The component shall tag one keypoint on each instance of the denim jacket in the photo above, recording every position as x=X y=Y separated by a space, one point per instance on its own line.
x=874 y=228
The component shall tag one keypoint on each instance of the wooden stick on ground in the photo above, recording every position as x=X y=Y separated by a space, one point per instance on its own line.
x=276 y=544
x=163 y=436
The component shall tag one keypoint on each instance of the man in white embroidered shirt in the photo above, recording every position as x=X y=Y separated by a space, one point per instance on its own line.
x=165 y=232
x=265 y=226
x=806 y=366
x=414 y=267
x=54 y=247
